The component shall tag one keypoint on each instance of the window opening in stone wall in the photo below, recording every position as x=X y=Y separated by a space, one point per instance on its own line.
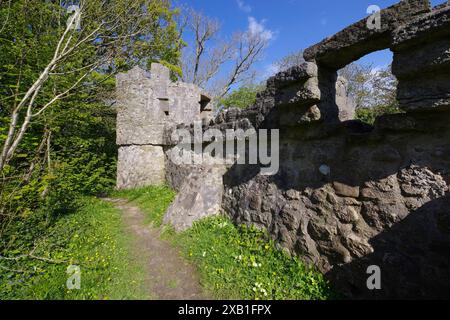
x=371 y=86
x=164 y=104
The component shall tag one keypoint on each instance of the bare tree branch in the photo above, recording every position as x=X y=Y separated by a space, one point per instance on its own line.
x=207 y=60
x=249 y=49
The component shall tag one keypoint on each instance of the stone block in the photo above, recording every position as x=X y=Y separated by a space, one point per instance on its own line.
x=160 y=72
x=199 y=197
x=358 y=40
x=425 y=28
x=344 y=190
x=422 y=62
x=427 y=59
x=293 y=75
x=307 y=94
x=135 y=130
x=346 y=106
x=424 y=93
x=140 y=166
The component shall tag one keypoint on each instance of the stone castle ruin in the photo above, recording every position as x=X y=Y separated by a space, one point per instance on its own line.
x=148 y=105
x=384 y=197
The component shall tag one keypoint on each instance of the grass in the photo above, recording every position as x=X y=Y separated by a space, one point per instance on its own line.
x=91 y=238
x=153 y=201
x=242 y=263
x=235 y=262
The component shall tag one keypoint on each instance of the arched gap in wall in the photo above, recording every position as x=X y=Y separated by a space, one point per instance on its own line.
x=371 y=86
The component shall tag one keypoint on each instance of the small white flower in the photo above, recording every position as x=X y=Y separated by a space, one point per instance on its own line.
x=204 y=254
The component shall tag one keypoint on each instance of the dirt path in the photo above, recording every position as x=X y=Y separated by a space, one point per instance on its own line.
x=169 y=277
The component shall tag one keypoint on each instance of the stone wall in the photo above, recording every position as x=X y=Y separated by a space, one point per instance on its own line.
x=147 y=105
x=347 y=195
x=422 y=61
x=383 y=196
x=382 y=202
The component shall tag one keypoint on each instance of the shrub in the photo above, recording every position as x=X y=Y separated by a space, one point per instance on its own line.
x=242 y=98
x=369 y=115
x=235 y=262
x=242 y=263
x=91 y=238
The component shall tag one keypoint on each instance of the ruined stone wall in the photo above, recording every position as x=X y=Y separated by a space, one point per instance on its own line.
x=422 y=61
x=148 y=104
x=347 y=195
x=383 y=201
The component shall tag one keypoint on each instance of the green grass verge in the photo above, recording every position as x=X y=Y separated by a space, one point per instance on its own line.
x=153 y=201
x=91 y=238
x=235 y=262
x=242 y=263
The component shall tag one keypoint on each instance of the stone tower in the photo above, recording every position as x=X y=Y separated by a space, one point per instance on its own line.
x=147 y=105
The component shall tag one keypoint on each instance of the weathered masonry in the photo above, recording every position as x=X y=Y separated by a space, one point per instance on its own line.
x=147 y=105
x=384 y=198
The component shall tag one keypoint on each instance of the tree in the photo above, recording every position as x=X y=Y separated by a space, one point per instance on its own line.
x=249 y=47
x=205 y=30
x=57 y=127
x=372 y=90
x=289 y=61
x=111 y=36
x=215 y=63
x=384 y=88
x=243 y=97
x=369 y=115
x=370 y=87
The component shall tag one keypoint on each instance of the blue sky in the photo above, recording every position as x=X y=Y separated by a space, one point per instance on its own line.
x=295 y=24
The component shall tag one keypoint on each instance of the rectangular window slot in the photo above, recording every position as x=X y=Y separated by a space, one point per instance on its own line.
x=204 y=103
x=164 y=106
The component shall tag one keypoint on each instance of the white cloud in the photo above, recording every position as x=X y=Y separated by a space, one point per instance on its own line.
x=243 y=6
x=256 y=28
